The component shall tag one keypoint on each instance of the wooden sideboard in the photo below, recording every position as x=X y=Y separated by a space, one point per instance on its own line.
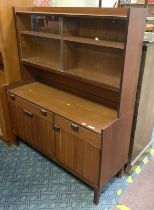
x=76 y=99
x=9 y=61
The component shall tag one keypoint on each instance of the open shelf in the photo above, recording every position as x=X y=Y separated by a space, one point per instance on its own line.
x=49 y=24
x=40 y=52
x=96 y=31
x=40 y=34
x=110 y=78
x=95 y=41
x=40 y=63
x=97 y=64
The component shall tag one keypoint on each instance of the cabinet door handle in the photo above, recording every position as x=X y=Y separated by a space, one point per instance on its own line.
x=43 y=112
x=12 y=97
x=75 y=127
x=56 y=128
x=28 y=114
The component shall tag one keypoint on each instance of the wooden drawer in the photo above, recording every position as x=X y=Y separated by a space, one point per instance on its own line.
x=78 y=131
x=29 y=107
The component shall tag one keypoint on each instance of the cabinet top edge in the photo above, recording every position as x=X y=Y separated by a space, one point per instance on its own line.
x=109 y=12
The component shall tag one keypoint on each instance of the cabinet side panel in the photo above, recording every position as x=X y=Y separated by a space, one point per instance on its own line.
x=116 y=140
x=6 y=134
x=134 y=44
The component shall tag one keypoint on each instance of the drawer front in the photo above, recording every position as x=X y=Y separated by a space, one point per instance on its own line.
x=78 y=150
x=78 y=131
x=29 y=107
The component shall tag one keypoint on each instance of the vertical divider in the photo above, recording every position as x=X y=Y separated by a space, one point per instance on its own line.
x=61 y=45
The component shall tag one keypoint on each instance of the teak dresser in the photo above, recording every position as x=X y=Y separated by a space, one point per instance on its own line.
x=9 y=62
x=75 y=102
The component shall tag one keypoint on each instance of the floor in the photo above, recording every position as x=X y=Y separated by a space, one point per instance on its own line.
x=141 y=192
x=29 y=181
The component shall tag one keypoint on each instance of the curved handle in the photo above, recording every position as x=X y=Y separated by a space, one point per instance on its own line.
x=75 y=127
x=12 y=97
x=43 y=112
x=56 y=128
x=28 y=114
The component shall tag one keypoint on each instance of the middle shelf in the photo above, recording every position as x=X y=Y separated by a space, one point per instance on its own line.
x=91 y=41
x=41 y=34
x=89 y=62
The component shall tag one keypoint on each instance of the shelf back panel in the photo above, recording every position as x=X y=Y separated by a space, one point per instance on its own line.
x=97 y=28
x=40 y=51
x=99 y=64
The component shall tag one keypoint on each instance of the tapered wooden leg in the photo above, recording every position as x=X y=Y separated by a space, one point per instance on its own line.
x=96 y=196
x=9 y=140
x=129 y=170
x=121 y=173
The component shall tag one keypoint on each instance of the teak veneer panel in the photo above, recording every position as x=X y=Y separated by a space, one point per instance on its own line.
x=109 y=78
x=77 y=152
x=84 y=112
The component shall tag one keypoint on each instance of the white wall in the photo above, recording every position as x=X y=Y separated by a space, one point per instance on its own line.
x=75 y=3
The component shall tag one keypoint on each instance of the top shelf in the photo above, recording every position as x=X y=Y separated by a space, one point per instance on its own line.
x=121 y=13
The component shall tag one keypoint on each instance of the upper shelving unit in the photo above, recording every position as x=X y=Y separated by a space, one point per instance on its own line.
x=74 y=43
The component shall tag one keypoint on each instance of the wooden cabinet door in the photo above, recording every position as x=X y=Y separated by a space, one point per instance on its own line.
x=34 y=129
x=22 y=125
x=78 y=149
x=45 y=136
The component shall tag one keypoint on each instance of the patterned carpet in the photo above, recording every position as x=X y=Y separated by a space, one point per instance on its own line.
x=29 y=181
